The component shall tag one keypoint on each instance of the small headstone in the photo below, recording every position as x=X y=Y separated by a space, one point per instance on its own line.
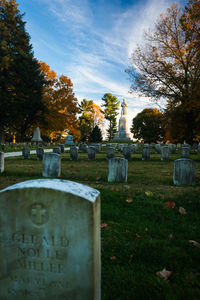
x=69 y=140
x=145 y=152
x=62 y=148
x=25 y=153
x=185 y=152
x=126 y=152
x=1 y=162
x=40 y=153
x=184 y=172
x=110 y=152
x=83 y=147
x=73 y=153
x=57 y=150
x=51 y=165
x=158 y=148
x=133 y=148
x=50 y=241
x=172 y=148
x=198 y=149
x=117 y=169
x=91 y=153
x=164 y=153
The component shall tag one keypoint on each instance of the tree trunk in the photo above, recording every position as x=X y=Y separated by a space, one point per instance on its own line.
x=2 y=136
x=189 y=128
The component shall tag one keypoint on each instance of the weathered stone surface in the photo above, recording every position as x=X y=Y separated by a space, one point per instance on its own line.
x=110 y=152
x=62 y=148
x=127 y=152
x=1 y=162
x=57 y=150
x=83 y=148
x=40 y=153
x=36 y=135
x=145 y=152
x=185 y=152
x=25 y=153
x=158 y=148
x=164 y=153
x=133 y=148
x=50 y=241
x=117 y=170
x=91 y=153
x=184 y=172
x=51 y=165
x=69 y=140
x=73 y=153
x=172 y=148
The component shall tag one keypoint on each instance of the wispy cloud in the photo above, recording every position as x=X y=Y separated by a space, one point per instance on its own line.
x=99 y=42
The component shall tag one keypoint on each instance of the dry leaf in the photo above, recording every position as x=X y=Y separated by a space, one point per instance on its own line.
x=130 y=259
x=148 y=193
x=196 y=244
x=127 y=230
x=129 y=200
x=98 y=178
x=104 y=225
x=170 y=204
x=138 y=235
x=171 y=236
x=164 y=274
x=182 y=211
x=127 y=187
x=113 y=257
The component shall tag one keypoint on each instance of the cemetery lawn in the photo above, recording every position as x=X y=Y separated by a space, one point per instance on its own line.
x=147 y=224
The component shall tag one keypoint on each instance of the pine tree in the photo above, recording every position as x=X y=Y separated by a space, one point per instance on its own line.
x=96 y=135
x=111 y=104
x=21 y=80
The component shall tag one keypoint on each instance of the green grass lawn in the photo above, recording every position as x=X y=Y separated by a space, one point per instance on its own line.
x=143 y=231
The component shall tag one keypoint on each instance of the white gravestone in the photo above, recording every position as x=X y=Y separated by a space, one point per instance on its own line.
x=184 y=172
x=51 y=165
x=117 y=169
x=50 y=241
x=1 y=162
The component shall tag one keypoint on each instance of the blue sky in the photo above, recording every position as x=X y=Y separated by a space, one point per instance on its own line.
x=90 y=41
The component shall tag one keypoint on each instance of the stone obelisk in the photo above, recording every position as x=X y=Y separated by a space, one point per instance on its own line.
x=122 y=133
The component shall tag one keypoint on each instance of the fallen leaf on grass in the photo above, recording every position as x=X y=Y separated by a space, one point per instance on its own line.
x=127 y=187
x=164 y=274
x=115 y=189
x=127 y=230
x=171 y=236
x=196 y=244
x=148 y=193
x=170 y=204
x=98 y=178
x=138 y=235
x=129 y=200
x=104 y=225
x=113 y=257
x=130 y=259
x=71 y=166
x=182 y=211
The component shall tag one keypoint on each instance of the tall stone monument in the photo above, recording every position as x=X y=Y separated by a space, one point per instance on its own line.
x=36 y=135
x=122 y=133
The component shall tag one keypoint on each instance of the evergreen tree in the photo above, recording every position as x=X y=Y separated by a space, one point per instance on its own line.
x=111 y=105
x=96 y=135
x=21 y=80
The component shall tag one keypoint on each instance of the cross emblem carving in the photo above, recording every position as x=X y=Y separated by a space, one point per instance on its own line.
x=39 y=214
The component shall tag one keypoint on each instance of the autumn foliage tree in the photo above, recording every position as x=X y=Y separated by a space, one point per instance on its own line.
x=168 y=66
x=148 y=125
x=61 y=103
x=91 y=116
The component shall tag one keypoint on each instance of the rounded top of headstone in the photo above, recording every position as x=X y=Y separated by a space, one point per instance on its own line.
x=66 y=186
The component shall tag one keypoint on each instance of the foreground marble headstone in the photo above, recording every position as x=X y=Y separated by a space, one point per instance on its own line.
x=1 y=162
x=184 y=172
x=51 y=165
x=117 y=169
x=50 y=241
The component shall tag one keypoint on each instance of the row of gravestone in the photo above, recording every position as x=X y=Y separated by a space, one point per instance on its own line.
x=184 y=168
